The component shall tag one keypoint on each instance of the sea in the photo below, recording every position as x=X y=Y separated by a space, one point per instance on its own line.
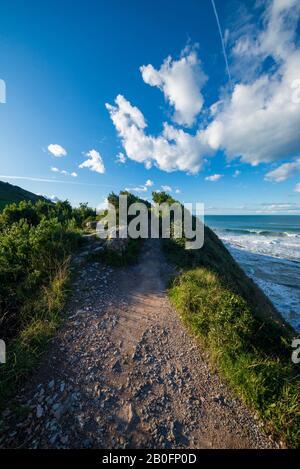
x=267 y=247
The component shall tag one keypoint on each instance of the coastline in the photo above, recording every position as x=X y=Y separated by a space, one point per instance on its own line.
x=267 y=248
x=277 y=277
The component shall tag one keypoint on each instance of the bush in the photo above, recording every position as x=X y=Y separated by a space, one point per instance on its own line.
x=29 y=259
x=83 y=214
x=42 y=318
x=35 y=246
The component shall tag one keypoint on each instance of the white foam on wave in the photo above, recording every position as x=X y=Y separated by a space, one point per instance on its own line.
x=284 y=247
x=273 y=266
x=273 y=263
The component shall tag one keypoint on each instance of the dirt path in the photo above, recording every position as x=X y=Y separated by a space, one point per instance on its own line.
x=124 y=373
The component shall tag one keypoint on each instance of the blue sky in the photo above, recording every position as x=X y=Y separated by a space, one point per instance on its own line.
x=178 y=122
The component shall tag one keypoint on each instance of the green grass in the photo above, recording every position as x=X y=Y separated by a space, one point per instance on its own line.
x=246 y=340
x=42 y=315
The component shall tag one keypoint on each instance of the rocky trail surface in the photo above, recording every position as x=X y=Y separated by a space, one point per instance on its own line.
x=123 y=372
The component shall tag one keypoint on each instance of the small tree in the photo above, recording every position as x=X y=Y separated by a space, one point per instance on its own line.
x=162 y=197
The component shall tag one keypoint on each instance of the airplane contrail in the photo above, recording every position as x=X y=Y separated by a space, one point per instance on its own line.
x=222 y=42
x=36 y=179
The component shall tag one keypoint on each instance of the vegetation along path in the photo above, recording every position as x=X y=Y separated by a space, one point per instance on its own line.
x=123 y=372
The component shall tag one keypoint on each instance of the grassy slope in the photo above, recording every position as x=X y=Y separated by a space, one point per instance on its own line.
x=24 y=352
x=247 y=339
x=10 y=194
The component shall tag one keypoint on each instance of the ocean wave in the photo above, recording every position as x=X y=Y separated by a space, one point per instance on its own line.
x=275 y=234
x=279 y=247
x=277 y=277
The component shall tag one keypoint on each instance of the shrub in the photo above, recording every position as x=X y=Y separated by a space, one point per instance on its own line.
x=35 y=245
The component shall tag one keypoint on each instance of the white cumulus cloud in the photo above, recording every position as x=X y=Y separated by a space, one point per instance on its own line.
x=166 y=188
x=284 y=171
x=257 y=122
x=121 y=158
x=297 y=187
x=213 y=177
x=180 y=81
x=174 y=149
x=141 y=188
x=260 y=120
x=52 y=198
x=94 y=162
x=136 y=189
x=278 y=207
x=64 y=172
x=57 y=150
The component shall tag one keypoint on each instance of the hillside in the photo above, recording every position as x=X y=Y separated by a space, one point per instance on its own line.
x=224 y=380
x=141 y=381
x=10 y=193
